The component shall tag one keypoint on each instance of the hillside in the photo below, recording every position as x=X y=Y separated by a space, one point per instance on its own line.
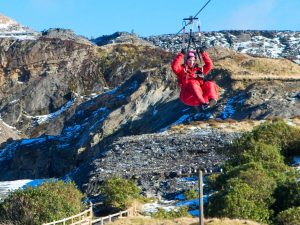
x=87 y=110
x=83 y=106
x=119 y=90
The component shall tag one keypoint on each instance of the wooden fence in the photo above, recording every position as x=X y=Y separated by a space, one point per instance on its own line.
x=86 y=217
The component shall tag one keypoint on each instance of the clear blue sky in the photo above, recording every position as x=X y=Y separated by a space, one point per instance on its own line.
x=152 y=17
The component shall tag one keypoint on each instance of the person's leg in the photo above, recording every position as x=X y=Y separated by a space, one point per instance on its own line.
x=210 y=90
x=195 y=88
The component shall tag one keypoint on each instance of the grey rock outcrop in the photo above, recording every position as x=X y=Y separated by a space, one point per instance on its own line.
x=121 y=38
x=271 y=44
x=153 y=160
x=65 y=34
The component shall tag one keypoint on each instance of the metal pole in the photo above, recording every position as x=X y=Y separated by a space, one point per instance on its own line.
x=201 y=213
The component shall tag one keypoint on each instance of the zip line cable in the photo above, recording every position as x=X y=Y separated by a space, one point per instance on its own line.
x=195 y=17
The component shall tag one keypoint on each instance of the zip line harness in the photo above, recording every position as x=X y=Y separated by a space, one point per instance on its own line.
x=191 y=39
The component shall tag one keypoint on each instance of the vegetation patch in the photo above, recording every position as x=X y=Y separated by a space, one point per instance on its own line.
x=257 y=183
x=120 y=193
x=48 y=202
x=171 y=214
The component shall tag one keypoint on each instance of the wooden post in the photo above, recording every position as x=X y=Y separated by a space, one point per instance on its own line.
x=134 y=210
x=201 y=213
x=102 y=222
x=91 y=213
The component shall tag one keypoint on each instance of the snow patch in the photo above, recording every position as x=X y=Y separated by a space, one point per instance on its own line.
x=8 y=186
x=33 y=141
x=47 y=118
x=11 y=127
x=229 y=108
x=182 y=119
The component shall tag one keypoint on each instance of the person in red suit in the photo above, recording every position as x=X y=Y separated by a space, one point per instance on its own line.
x=194 y=91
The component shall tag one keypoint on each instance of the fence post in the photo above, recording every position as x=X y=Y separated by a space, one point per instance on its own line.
x=128 y=212
x=91 y=214
x=201 y=213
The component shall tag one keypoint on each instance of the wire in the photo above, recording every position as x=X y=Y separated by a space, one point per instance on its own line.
x=202 y=8
x=194 y=16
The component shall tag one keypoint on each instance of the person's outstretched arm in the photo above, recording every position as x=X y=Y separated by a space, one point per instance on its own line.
x=176 y=64
x=208 y=64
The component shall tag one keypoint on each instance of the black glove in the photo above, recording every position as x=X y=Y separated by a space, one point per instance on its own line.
x=202 y=49
x=183 y=51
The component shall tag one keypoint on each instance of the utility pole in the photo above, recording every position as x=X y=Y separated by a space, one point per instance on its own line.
x=201 y=212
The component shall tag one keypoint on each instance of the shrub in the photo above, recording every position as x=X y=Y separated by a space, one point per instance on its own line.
x=119 y=192
x=255 y=174
x=238 y=200
x=172 y=214
x=276 y=133
x=256 y=151
x=45 y=203
x=257 y=183
x=287 y=195
x=289 y=217
x=191 y=194
x=213 y=181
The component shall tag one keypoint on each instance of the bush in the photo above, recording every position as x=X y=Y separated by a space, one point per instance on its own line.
x=238 y=200
x=289 y=217
x=260 y=182
x=191 y=194
x=256 y=151
x=45 y=203
x=172 y=214
x=276 y=133
x=213 y=182
x=119 y=192
x=257 y=183
x=287 y=195
x=255 y=174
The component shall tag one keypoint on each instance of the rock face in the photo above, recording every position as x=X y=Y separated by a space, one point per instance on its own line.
x=13 y=30
x=120 y=38
x=38 y=77
x=125 y=110
x=272 y=44
x=153 y=160
x=7 y=132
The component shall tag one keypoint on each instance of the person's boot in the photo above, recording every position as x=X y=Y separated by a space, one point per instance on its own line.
x=212 y=102
x=205 y=106
x=197 y=109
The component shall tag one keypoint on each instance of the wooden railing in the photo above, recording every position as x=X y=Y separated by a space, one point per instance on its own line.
x=86 y=217
x=108 y=219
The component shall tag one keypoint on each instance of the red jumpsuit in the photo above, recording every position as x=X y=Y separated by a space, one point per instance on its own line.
x=193 y=90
